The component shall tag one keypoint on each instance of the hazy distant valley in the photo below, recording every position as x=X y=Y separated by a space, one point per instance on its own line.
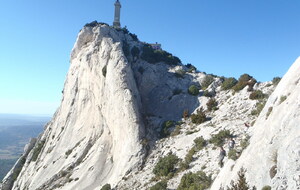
x=15 y=132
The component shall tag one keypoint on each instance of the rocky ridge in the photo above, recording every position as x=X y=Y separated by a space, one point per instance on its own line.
x=115 y=102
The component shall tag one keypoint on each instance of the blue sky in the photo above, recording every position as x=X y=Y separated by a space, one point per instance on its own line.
x=226 y=38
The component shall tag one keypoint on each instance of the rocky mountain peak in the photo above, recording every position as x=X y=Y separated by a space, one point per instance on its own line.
x=137 y=118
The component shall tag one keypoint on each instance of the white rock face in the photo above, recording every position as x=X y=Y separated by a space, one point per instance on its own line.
x=107 y=126
x=275 y=142
x=95 y=136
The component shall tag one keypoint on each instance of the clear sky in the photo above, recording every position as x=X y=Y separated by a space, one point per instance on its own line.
x=223 y=37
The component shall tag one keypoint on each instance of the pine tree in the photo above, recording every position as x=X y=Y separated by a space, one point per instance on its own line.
x=241 y=184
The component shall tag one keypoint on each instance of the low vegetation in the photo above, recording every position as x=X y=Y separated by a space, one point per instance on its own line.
x=212 y=104
x=176 y=131
x=199 y=144
x=219 y=138
x=180 y=73
x=259 y=107
x=104 y=70
x=257 y=95
x=37 y=150
x=165 y=129
x=166 y=166
x=18 y=170
x=154 y=56
x=270 y=109
x=162 y=185
x=206 y=93
x=191 y=68
x=245 y=142
x=241 y=183
x=197 y=181
x=276 y=80
x=207 y=81
x=193 y=90
x=243 y=81
x=282 y=99
x=229 y=83
x=106 y=187
x=232 y=154
x=198 y=118
x=267 y=187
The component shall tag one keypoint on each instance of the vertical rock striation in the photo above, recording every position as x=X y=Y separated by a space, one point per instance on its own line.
x=95 y=136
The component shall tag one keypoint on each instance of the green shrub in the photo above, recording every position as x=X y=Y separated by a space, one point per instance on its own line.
x=207 y=94
x=276 y=80
x=165 y=129
x=191 y=68
x=269 y=112
x=219 y=139
x=184 y=166
x=176 y=131
x=37 y=150
x=180 y=73
x=259 y=107
x=207 y=81
x=162 y=185
x=241 y=184
x=154 y=56
x=195 y=181
x=193 y=90
x=135 y=51
x=245 y=142
x=166 y=165
x=106 y=187
x=68 y=152
x=244 y=80
x=198 y=118
x=267 y=187
x=282 y=99
x=228 y=83
x=256 y=95
x=232 y=154
x=189 y=156
x=133 y=36
x=18 y=170
x=104 y=70
x=212 y=104
x=200 y=143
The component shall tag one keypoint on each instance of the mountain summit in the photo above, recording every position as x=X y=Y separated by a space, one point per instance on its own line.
x=137 y=118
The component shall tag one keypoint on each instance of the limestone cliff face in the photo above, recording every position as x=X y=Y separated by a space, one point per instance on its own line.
x=95 y=136
x=114 y=103
x=273 y=157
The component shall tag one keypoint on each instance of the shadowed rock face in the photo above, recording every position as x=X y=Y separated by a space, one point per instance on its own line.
x=94 y=137
x=272 y=157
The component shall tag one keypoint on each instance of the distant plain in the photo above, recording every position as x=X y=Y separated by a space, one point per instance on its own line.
x=15 y=132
